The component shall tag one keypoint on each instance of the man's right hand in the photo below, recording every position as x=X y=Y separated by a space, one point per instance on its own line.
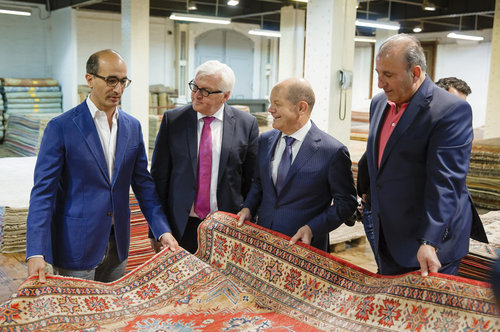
x=36 y=266
x=244 y=214
x=156 y=245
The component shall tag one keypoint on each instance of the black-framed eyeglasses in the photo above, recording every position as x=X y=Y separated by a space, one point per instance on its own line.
x=112 y=81
x=204 y=92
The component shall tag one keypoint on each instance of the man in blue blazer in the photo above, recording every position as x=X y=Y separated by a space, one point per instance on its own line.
x=298 y=202
x=175 y=165
x=79 y=216
x=418 y=156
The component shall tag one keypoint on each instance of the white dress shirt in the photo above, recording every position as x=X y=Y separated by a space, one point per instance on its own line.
x=216 y=129
x=299 y=136
x=106 y=135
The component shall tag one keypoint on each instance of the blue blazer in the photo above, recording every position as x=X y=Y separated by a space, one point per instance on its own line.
x=419 y=191
x=320 y=172
x=73 y=200
x=175 y=161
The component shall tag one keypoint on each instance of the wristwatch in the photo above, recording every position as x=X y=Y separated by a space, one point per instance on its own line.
x=429 y=244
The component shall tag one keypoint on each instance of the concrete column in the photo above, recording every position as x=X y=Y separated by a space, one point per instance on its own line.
x=329 y=49
x=492 y=114
x=63 y=54
x=291 y=54
x=135 y=51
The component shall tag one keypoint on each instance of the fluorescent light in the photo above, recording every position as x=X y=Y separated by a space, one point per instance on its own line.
x=365 y=39
x=15 y=12
x=462 y=36
x=266 y=33
x=417 y=29
x=233 y=2
x=430 y=8
x=192 y=6
x=199 y=18
x=377 y=24
x=302 y=1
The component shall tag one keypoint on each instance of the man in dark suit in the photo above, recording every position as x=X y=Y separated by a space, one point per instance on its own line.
x=189 y=186
x=79 y=216
x=418 y=156
x=300 y=170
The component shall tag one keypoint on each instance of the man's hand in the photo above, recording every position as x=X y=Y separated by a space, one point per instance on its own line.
x=168 y=240
x=427 y=257
x=156 y=245
x=244 y=214
x=36 y=266
x=304 y=234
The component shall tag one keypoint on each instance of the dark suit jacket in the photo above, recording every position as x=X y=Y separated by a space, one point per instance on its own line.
x=73 y=200
x=419 y=191
x=320 y=172
x=174 y=165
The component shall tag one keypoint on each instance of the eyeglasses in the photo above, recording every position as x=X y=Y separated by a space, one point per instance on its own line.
x=203 y=92
x=112 y=81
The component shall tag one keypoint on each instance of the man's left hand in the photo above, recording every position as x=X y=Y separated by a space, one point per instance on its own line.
x=304 y=234
x=168 y=240
x=427 y=257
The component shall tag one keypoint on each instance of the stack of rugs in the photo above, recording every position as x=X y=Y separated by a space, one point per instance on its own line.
x=2 y=128
x=483 y=179
x=154 y=127
x=249 y=279
x=360 y=123
x=25 y=131
x=31 y=95
x=160 y=98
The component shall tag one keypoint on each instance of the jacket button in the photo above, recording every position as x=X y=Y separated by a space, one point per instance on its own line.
x=109 y=214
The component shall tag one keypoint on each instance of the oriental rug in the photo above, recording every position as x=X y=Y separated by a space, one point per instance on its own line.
x=251 y=279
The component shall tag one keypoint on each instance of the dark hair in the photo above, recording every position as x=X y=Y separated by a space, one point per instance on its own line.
x=414 y=53
x=453 y=82
x=93 y=61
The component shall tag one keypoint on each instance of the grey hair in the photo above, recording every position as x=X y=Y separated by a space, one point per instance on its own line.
x=219 y=70
x=414 y=53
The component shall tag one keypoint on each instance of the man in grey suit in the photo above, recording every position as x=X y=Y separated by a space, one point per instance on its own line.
x=204 y=155
x=300 y=171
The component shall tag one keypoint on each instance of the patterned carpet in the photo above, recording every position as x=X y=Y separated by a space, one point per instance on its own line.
x=249 y=279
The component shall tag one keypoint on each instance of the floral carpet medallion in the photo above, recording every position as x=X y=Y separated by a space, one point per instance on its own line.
x=251 y=279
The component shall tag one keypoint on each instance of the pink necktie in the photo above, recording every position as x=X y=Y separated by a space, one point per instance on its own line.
x=202 y=200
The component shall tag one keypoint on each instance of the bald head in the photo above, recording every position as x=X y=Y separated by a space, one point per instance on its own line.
x=297 y=90
x=104 y=55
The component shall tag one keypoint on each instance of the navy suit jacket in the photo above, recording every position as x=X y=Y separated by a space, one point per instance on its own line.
x=419 y=190
x=320 y=172
x=175 y=161
x=73 y=200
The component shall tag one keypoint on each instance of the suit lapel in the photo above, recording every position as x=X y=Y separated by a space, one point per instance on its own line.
x=418 y=102
x=271 y=147
x=121 y=143
x=192 y=138
x=227 y=139
x=307 y=149
x=377 y=121
x=83 y=120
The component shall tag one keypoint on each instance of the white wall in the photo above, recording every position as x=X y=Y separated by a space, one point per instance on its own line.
x=361 y=77
x=471 y=63
x=24 y=45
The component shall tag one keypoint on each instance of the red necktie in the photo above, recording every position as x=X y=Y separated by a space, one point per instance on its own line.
x=202 y=200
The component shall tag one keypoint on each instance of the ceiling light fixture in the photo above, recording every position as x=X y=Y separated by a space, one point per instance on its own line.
x=233 y=2
x=429 y=6
x=377 y=24
x=365 y=39
x=191 y=6
x=462 y=36
x=265 y=33
x=305 y=1
x=199 y=18
x=15 y=12
x=417 y=29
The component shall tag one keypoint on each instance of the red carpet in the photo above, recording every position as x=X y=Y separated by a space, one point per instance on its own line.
x=250 y=279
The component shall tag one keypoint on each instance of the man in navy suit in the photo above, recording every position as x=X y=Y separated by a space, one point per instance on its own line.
x=177 y=168
x=300 y=171
x=418 y=153
x=79 y=216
